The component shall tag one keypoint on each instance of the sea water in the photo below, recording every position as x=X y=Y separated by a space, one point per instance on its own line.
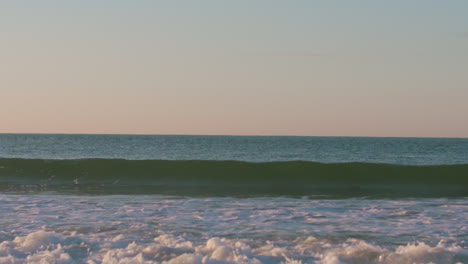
x=222 y=199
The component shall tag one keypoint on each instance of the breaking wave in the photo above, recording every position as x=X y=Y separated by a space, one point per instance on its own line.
x=232 y=178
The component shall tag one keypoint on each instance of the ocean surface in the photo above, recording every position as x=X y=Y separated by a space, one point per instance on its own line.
x=231 y=199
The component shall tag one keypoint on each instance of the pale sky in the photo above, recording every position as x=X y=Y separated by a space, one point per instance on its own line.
x=239 y=67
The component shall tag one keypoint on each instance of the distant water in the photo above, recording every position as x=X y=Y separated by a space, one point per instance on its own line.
x=228 y=199
x=415 y=151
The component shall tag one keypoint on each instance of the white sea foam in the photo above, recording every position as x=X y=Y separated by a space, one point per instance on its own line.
x=149 y=229
x=51 y=247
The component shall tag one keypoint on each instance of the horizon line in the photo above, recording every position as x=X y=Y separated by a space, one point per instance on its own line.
x=227 y=135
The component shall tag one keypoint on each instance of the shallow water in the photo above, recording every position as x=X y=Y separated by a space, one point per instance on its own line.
x=138 y=199
x=157 y=229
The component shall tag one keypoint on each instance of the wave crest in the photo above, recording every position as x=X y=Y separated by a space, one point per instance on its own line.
x=232 y=178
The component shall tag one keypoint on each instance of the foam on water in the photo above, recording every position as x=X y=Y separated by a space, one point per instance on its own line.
x=157 y=229
x=411 y=207
x=51 y=247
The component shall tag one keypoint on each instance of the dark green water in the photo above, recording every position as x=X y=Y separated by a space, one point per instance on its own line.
x=201 y=199
x=232 y=178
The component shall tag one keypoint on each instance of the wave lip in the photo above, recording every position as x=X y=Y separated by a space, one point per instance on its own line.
x=232 y=178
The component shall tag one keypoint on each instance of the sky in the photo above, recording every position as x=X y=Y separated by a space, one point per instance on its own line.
x=381 y=68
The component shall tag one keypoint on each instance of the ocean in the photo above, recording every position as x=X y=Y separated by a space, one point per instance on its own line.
x=232 y=199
